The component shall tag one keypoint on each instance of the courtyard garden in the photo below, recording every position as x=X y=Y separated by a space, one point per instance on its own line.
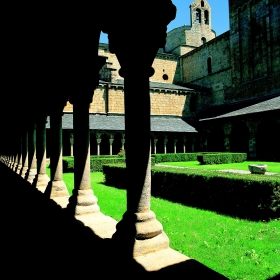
x=238 y=248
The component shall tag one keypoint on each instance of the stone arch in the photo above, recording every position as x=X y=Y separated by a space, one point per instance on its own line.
x=180 y=144
x=170 y=143
x=198 y=16
x=203 y=40
x=117 y=144
x=105 y=144
x=66 y=147
x=267 y=140
x=160 y=144
x=215 y=141
x=93 y=144
x=206 y=17
x=239 y=138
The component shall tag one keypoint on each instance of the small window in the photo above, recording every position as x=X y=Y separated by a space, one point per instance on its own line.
x=198 y=16
x=206 y=17
x=203 y=40
x=202 y=3
x=209 y=65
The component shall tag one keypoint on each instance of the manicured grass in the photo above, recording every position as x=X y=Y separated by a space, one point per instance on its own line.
x=272 y=166
x=238 y=249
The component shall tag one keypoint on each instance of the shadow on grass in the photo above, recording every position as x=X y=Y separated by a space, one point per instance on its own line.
x=40 y=238
x=210 y=203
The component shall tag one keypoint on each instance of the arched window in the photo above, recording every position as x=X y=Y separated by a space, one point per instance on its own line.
x=209 y=65
x=202 y=3
x=203 y=40
x=198 y=15
x=206 y=17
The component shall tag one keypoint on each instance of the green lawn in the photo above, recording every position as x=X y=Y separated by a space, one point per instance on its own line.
x=272 y=166
x=238 y=249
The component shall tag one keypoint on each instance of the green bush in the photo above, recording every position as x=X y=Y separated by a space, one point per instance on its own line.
x=96 y=162
x=219 y=158
x=175 y=157
x=246 y=196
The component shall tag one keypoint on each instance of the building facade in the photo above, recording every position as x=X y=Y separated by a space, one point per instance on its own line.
x=199 y=80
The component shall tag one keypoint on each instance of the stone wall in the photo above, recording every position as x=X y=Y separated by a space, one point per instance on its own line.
x=255 y=36
x=195 y=69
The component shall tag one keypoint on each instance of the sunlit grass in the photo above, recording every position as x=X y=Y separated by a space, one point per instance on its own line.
x=238 y=249
x=272 y=166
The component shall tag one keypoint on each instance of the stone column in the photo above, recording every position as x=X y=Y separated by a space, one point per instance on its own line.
x=252 y=146
x=42 y=179
x=193 y=143
x=123 y=141
x=24 y=169
x=15 y=161
x=155 y=145
x=83 y=202
x=32 y=171
x=56 y=187
x=227 y=130
x=175 y=146
x=111 y=140
x=71 y=144
x=165 y=143
x=184 y=144
x=139 y=232
x=98 y=141
x=19 y=167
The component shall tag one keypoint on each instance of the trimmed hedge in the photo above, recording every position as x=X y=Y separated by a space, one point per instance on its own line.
x=219 y=158
x=246 y=196
x=175 y=157
x=96 y=162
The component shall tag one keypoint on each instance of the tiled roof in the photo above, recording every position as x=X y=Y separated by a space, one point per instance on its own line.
x=268 y=105
x=113 y=123
x=155 y=85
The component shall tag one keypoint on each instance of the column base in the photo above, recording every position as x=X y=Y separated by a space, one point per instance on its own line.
x=140 y=234
x=83 y=202
x=57 y=189
x=42 y=180
x=83 y=205
x=18 y=171
x=31 y=175
x=23 y=172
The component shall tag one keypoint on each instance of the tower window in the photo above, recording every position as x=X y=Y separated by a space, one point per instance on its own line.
x=209 y=65
x=198 y=16
x=206 y=17
x=203 y=40
x=202 y=3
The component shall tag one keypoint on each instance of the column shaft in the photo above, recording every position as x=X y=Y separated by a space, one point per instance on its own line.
x=56 y=186
x=42 y=178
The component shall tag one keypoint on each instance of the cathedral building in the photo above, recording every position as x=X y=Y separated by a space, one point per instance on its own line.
x=206 y=91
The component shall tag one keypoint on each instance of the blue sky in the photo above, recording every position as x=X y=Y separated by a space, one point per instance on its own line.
x=220 y=16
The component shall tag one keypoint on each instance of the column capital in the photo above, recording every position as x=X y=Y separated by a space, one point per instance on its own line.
x=150 y=30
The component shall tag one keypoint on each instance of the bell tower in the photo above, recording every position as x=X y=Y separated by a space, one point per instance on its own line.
x=201 y=14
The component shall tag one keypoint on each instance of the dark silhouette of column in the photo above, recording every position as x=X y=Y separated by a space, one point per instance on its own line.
x=32 y=170
x=24 y=153
x=139 y=232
